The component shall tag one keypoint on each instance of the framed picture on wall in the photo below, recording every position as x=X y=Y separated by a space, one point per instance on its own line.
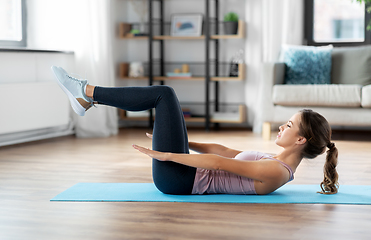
x=186 y=25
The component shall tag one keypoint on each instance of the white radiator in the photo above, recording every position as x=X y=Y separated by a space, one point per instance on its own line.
x=31 y=111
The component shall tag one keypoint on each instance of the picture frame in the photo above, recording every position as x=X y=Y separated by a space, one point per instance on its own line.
x=187 y=25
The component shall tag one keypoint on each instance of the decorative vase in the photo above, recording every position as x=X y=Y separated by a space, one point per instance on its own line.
x=230 y=28
x=136 y=69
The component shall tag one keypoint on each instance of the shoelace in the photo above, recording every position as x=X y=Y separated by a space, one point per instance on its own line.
x=75 y=79
x=80 y=83
x=93 y=104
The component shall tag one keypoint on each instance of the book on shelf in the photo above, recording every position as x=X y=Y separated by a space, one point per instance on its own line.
x=223 y=116
x=186 y=112
x=130 y=114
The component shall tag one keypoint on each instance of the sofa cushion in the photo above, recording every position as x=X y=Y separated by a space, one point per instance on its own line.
x=307 y=64
x=366 y=96
x=325 y=95
x=351 y=65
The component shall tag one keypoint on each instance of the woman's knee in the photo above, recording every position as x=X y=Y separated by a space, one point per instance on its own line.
x=165 y=90
x=165 y=93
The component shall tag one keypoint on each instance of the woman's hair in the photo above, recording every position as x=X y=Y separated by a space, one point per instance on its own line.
x=315 y=128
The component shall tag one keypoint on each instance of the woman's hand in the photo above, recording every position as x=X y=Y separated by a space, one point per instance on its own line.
x=162 y=156
x=149 y=135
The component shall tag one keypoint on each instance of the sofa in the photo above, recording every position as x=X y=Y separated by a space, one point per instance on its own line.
x=345 y=100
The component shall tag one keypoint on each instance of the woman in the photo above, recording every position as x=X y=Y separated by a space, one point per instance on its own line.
x=218 y=169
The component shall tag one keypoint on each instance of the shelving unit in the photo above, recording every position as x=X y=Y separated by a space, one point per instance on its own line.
x=240 y=77
x=207 y=77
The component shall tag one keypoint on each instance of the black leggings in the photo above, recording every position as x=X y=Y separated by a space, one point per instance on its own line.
x=169 y=132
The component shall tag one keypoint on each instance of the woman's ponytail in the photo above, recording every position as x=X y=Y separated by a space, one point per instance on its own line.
x=330 y=184
x=315 y=128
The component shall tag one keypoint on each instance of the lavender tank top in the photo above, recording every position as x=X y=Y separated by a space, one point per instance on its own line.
x=218 y=181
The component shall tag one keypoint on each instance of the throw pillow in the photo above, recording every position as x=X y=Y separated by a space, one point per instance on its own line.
x=307 y=64
x=351 y=65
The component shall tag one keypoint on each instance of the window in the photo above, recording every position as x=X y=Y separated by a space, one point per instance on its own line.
x=337 y=22
x=12 y=23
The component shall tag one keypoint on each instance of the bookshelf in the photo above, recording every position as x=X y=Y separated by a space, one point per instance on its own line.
x=214 y=117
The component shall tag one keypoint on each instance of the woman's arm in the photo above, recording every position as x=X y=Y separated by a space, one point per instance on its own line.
x=264 y=171
x=210 y=148
x=214 y=149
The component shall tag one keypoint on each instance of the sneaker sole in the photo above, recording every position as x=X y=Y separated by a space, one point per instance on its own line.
x=74 y=103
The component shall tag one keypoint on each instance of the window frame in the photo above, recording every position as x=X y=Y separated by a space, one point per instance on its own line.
x=309 y=22
x=23 y=42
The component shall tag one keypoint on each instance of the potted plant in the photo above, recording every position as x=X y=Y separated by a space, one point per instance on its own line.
x=230 y=23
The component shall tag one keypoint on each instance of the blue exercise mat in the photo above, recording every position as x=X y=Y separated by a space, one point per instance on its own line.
x=147 y=192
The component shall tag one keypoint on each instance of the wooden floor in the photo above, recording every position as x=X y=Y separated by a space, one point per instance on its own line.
x=33 y=173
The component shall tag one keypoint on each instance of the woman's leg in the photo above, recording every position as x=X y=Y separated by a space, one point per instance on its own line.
x=169 y=133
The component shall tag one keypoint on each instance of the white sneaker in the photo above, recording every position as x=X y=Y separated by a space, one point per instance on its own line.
x=74 y=88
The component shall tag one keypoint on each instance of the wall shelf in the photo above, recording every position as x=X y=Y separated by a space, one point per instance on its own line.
x=240 y=35
x=241 y=76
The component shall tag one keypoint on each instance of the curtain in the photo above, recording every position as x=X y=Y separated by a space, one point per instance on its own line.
x=283 y=23
x=270 y=23
x=94 y=37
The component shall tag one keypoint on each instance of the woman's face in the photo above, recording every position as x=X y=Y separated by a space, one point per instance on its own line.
x=289 y=132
